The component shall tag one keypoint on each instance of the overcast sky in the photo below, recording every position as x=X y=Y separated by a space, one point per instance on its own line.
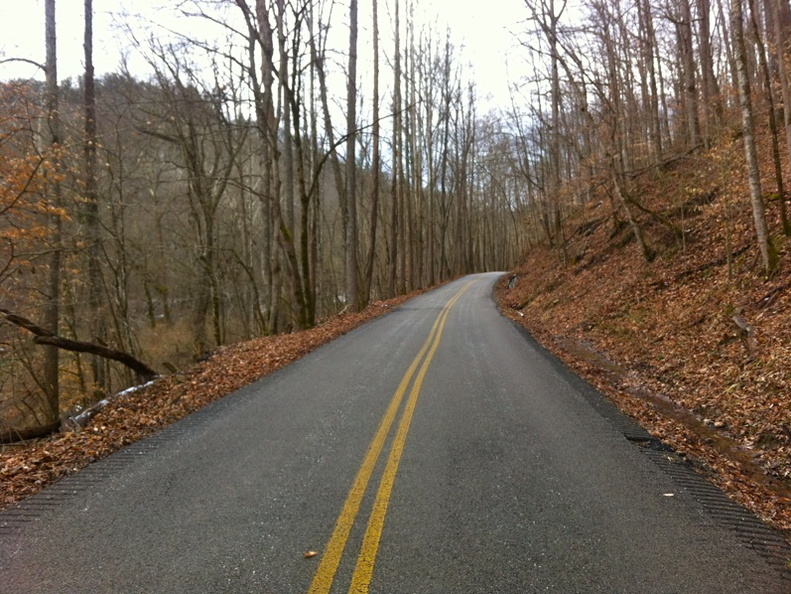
x=484 y=29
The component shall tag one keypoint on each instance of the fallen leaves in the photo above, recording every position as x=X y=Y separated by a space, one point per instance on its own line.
x=28 y=467
x=667 y=329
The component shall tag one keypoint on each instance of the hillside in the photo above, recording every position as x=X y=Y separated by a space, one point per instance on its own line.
x=27 y=467
x=667 y=341
x=695 y=344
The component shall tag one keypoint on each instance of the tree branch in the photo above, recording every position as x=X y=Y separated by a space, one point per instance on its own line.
x=44 y=336
x=23 y=60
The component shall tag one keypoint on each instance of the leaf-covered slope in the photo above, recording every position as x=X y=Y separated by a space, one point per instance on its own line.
x=29 y=467
x=696 y=344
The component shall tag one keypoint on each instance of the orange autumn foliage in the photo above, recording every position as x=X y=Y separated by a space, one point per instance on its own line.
x=25 y=171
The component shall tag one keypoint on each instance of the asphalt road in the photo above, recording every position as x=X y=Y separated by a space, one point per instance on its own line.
x=436 y=449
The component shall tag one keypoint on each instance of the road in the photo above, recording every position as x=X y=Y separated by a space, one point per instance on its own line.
x=436 y=449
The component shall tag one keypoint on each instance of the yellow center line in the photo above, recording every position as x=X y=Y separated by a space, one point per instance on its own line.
x=363 y=572
x=325 y=573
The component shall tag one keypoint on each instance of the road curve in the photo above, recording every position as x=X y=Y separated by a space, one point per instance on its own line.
x=437 y=449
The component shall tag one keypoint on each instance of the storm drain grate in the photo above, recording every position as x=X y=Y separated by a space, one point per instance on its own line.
x=747 y=528
x=21 y=514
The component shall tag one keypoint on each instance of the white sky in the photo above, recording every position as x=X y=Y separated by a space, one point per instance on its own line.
x=483 y=28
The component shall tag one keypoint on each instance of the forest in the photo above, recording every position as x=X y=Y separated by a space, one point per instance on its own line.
x=264 y=179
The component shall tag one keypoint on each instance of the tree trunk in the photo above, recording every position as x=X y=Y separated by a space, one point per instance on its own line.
x=52 y=308
x=369 y=261
x=689 y=89
x=555 y=99
x=395 y=214
x=285 y=116
x=711 y=92
x=769 y=92
x=768 y=254
x=92 y=224
x=352 y=288
x=652 y=96
x=782 y=31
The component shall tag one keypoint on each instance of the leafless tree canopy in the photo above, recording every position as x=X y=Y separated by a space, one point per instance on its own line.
x=276 y=173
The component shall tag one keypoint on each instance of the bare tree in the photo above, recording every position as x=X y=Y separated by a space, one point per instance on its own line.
x=91 y=210
x=766 y=77
x=768 y=253
x=689 y=77
x=781 y=19
x=396 y=214
x=52 y=309
x=375 y=163
x=712 y=108
x=352 y=285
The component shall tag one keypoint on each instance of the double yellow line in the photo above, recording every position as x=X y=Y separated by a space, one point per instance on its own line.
x=363 y=571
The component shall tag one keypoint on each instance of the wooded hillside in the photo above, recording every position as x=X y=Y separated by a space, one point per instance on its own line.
x=256 y=185
x=661 y=272
x=695 y=344
x=241 y=185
